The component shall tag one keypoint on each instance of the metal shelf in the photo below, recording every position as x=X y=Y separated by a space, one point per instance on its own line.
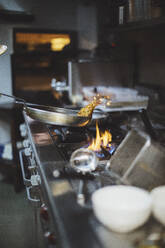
x=144 y=24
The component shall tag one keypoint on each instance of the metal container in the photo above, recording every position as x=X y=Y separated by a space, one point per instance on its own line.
x=138 y=10
x=95 y=73
x=139 y=161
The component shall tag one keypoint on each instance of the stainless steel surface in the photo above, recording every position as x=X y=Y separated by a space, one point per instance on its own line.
x=87 y=74
x=120 y=98
x=63 y=202
x=124 y=106
x=95 y=73
x=139 y=161
x=58 y=194
x=80 y=195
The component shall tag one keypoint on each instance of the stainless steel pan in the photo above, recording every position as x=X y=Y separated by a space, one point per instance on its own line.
x=55 y=115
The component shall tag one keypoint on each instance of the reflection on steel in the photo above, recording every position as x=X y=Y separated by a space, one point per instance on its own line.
x=60 y=188
x=42 y=139
x=84 y=160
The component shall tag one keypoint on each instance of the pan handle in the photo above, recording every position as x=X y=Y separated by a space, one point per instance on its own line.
x=17 y=99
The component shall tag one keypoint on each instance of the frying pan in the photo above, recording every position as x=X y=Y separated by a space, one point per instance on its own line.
x=55 y=115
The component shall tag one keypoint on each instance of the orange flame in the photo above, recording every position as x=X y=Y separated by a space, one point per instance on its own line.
x=102 y=140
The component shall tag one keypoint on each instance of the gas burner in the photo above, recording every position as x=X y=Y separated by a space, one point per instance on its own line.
x=83 y=160
x=69 y=139
x=105 y=154
x=68 y=134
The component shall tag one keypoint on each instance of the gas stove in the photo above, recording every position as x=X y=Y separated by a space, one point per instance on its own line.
x=62 y=196
x=68 y=139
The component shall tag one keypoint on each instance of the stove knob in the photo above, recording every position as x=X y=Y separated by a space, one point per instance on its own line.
x=26 y=143
x=35 y=180
x=32 y=163
x=23 y=130
x=24 y=133
x=44 y=213
x=28 y=151
x=22 y=126
x=51 y=238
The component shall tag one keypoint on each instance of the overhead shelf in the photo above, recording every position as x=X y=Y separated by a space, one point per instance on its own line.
x=131 y=26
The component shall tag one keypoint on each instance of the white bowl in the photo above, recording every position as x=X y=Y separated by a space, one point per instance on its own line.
x=158 y=203
x=122 y=208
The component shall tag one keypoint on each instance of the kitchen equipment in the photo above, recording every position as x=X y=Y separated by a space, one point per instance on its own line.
x=66 y=195
x=86 y=78
x=121 y=99
x=83 y=160
x=54 y=115
x=83 y=73
x=139 y=161
x=122 y=208
x=158 y=205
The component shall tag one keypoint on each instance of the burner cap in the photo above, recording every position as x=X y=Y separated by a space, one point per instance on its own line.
x=83 y=160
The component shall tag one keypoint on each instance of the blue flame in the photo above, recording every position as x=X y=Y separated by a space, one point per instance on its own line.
x=110 y=148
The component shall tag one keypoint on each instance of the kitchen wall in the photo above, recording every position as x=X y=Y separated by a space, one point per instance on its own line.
x=149 y=45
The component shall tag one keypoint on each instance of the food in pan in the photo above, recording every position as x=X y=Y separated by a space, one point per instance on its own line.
x=88 y=109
